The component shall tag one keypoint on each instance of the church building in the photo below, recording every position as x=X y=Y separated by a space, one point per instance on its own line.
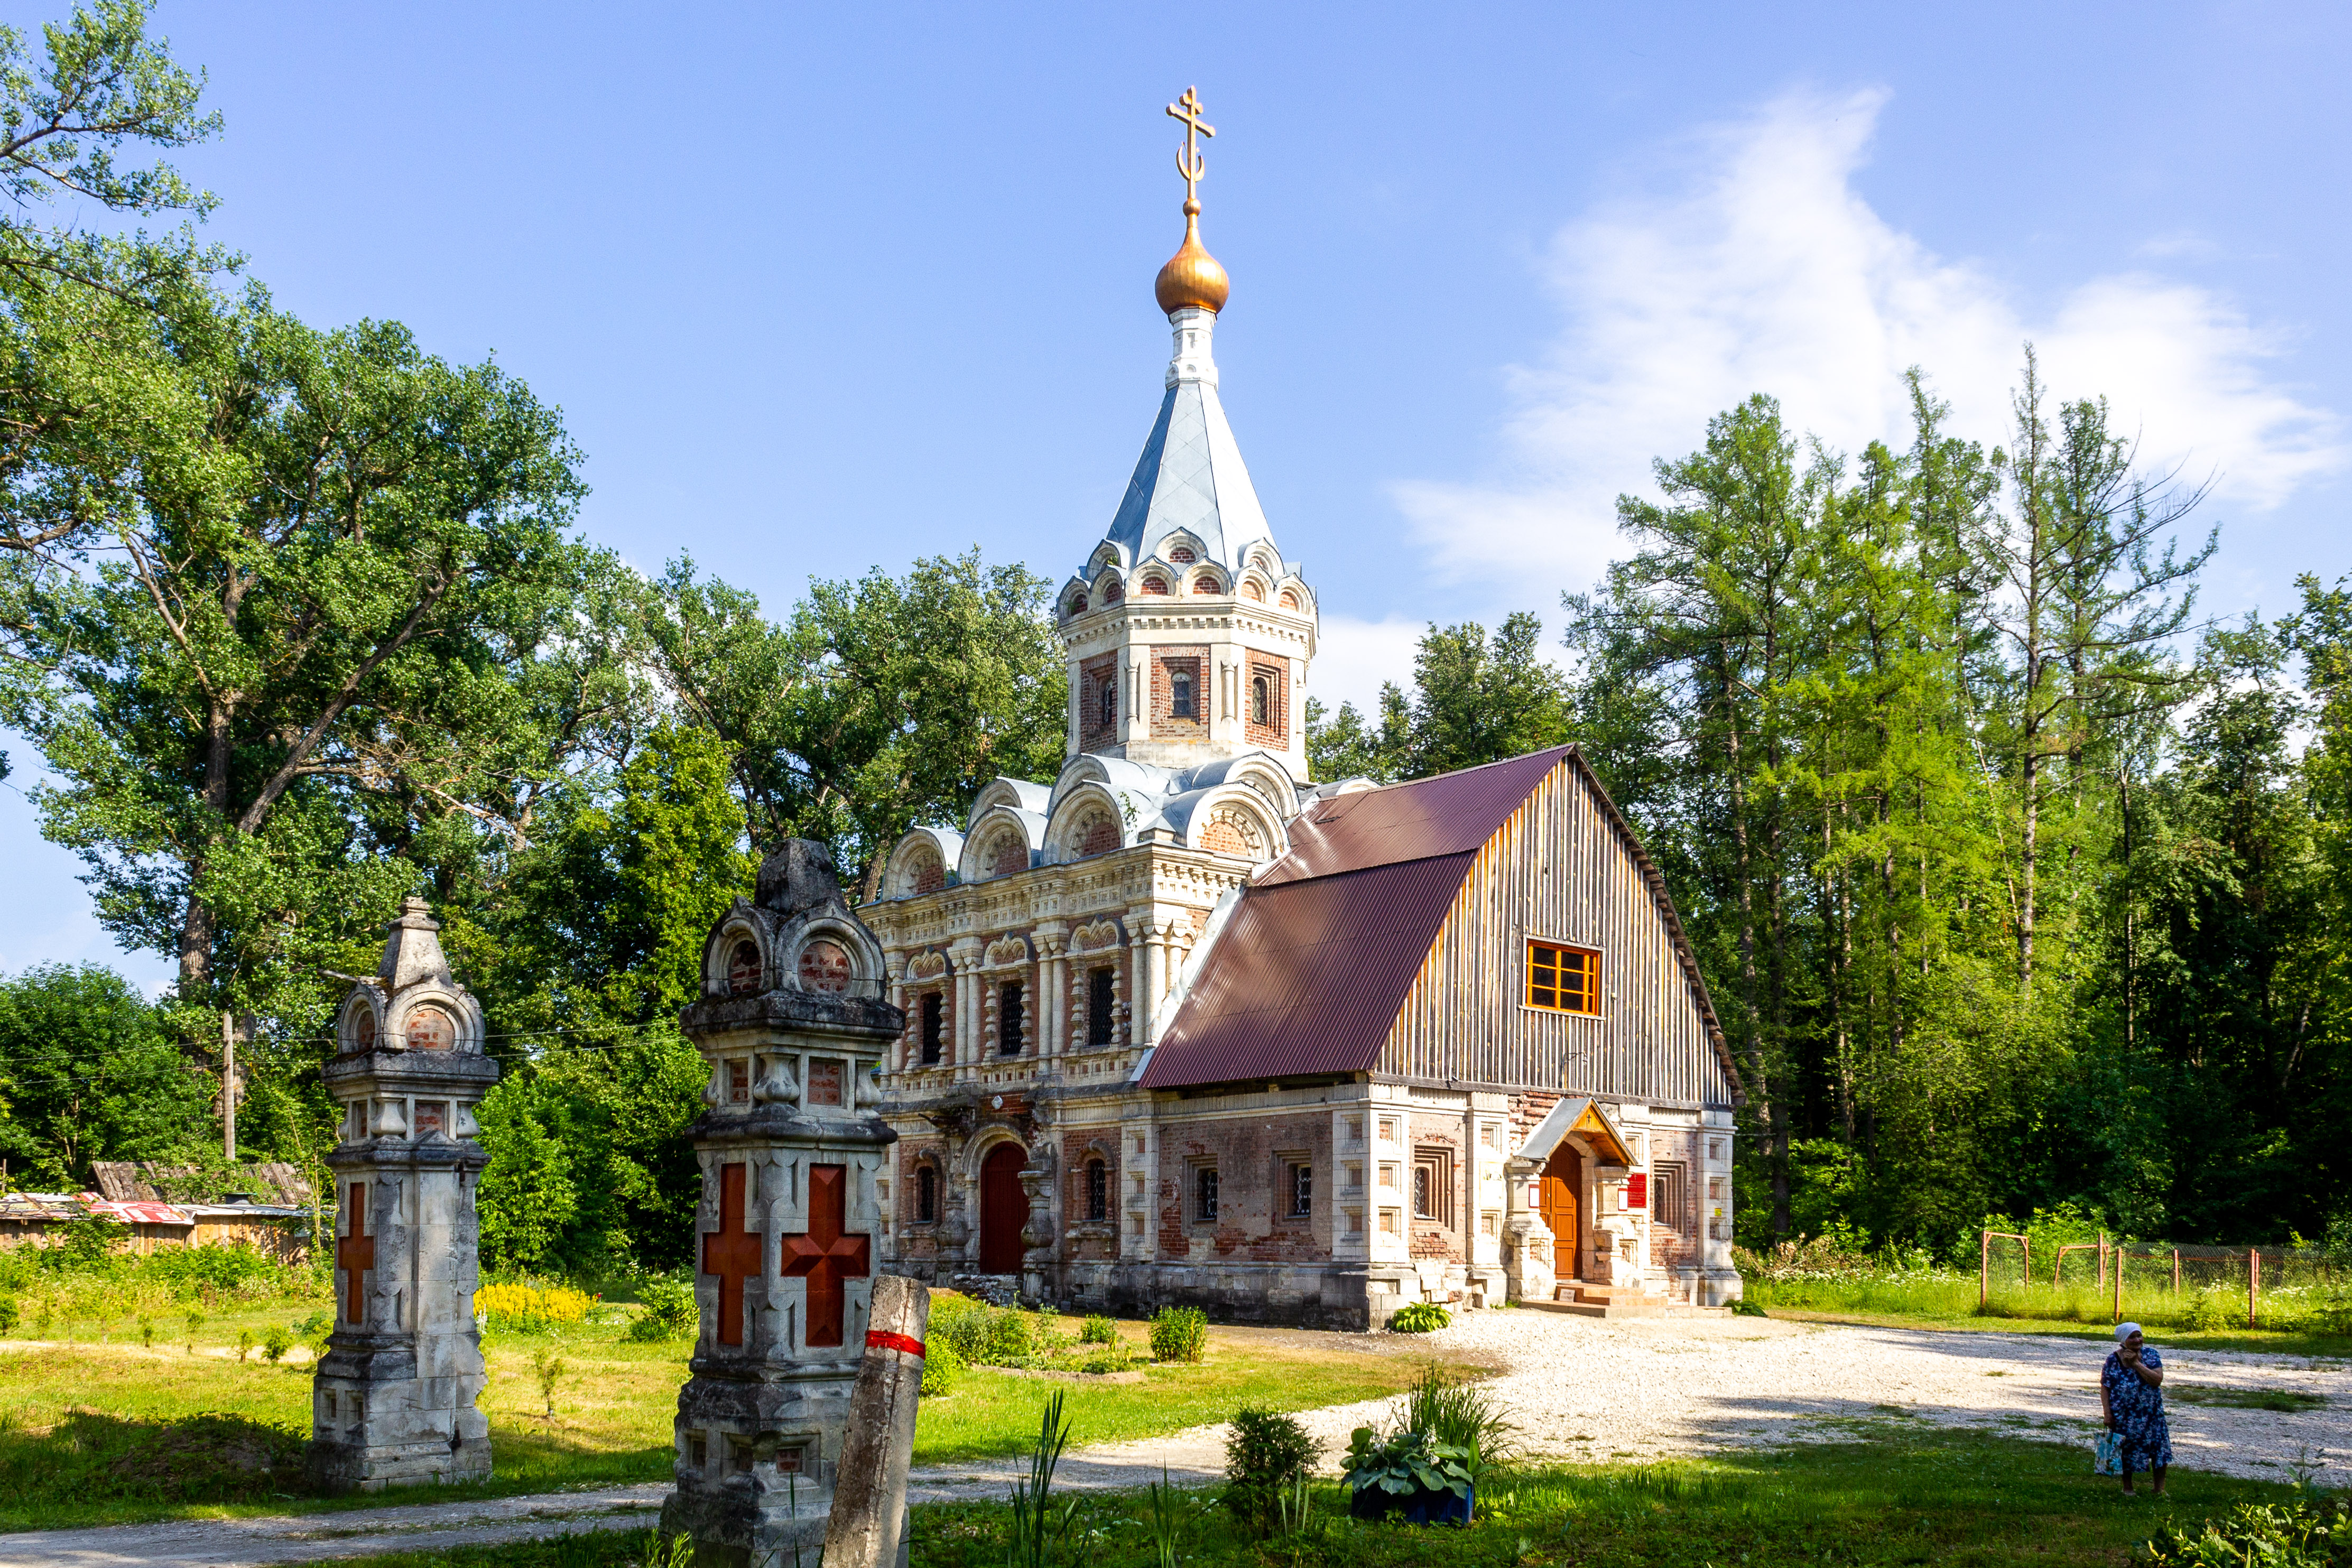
x=1184 y=1025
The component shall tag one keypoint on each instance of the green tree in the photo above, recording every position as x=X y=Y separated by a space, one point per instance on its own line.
x=90 y=1073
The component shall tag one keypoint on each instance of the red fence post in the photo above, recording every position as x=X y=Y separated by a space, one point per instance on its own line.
x=1984 y=1265
x=2253 y=1284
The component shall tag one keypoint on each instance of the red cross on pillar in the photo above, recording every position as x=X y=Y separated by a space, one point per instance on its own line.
x=822 y=1256
x=732 y=1253
x=355 y=1254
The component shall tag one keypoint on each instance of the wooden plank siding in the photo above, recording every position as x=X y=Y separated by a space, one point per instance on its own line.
x=1562 y=867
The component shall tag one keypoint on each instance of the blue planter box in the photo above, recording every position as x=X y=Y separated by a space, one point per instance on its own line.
x=1422 y=1507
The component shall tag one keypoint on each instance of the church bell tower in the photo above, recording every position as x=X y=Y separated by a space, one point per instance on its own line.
x=1188 y=633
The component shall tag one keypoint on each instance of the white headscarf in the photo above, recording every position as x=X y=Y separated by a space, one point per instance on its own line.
x=2125 y=1332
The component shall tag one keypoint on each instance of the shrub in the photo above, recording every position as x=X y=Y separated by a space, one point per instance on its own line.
x=670 y=1311
x=1097 y=1330
x=8 y=1316
x=1179 y=1333
x=2307 y=1530
x=1264 y=1457
x=2214 y=1309
x=1419 y=1317
x=276 y=1343
x=1404 y=1463
x=1741 y=1307
x=957 y=1321
x=1008 y=1338
x=942 y=1366
x=243 y=1343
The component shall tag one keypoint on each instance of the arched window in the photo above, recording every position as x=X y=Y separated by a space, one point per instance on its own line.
x=1112 y=592
x=1261 y=700
x=1155 y=585
x=1179 y=694
x=1098 y=1192
x=1252 y=591
x=1110 y=702
x=1207 y=582
x=1078 y=604
x=1289 y=600
x=927 y=1196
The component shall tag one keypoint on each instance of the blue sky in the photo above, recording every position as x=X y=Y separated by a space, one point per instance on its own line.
x=823 y=288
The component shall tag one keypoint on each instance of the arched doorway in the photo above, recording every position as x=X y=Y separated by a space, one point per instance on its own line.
x=1004 y=1208
x=1562 y=1201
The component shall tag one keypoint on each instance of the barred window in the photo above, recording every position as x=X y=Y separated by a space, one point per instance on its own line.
x=934 y=1011
x=1098 y=1192
x=927 y=1196
x=1204 y=1194
x=1302 y=1189
x=1433 y=1185
x=1099 y=1006
x=1563 y=979
x=1012 y=1020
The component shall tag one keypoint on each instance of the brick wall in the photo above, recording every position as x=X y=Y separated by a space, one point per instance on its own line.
x=1165 y=665
x=1252 y=1156
x=1096 y=675
x=1275 y=672
x=1091 y=1240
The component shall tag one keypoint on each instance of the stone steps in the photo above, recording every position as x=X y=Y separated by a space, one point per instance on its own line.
x=1620 y=1302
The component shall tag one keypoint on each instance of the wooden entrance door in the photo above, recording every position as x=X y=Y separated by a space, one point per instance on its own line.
x=1562 y=1201
x=1004 y=1208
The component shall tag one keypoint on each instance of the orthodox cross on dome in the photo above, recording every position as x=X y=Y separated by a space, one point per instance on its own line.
x=823 y=1256
x=355 y=1254
x=732 y=1253
x=1189 y=161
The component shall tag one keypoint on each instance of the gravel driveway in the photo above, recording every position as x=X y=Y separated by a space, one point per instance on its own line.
x=1639 y=1388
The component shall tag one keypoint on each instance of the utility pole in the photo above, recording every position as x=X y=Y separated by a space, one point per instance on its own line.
x=228 y=1087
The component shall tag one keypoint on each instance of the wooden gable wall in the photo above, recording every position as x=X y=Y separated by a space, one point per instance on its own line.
x=1565 y=868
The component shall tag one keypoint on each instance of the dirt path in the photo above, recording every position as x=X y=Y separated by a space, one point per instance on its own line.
x=1578 y=1390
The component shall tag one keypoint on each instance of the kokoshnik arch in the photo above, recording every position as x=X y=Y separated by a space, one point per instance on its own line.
x=1183 y=1025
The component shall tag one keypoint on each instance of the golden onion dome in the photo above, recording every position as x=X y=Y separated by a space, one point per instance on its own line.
x=1192 y=277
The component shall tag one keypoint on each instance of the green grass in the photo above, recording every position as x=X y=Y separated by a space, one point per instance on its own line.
x=1899 y=1499
x=104 y=1431
x=2293 y=1322
x=2282 y=1399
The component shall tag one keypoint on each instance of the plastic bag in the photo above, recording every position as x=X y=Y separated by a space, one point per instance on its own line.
x=2107 y=1455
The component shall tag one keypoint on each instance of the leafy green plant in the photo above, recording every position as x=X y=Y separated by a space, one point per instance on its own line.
x=1458 y=1413
x=1008 y=1338
x=670 y=1311
x=942 y=1366
x=1419 y=1317
x=1404 y=1463
x=1038 y=1527
x=2318 y=1532
x=1741 y=1307
x=147 y=1331
x=2212 y=1310
x=195 y=1321
x=548 y=1369
x=1266 y=1453
x=675 y=1551
x=276 y=1343
x=1164 y=1519
x=9 y=1314
x=1097 y=1330
x=243 y=1343
x=1179 y=1333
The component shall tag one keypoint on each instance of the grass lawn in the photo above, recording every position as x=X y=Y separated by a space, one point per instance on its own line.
x=2077 y=1312
x=103 y=1431
x=1901 y=1498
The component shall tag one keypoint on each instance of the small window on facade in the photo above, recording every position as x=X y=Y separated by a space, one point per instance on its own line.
x=1179 y=694
x=1109 y=703
x=1204 y=1194
x=738 y=1082
x=1011 y=1020
x=1563 y=979
x=1433 y=1185
x=1302 y=1189
x=1078 y=604
x=1261 y=700
x=927 y=1196
x=1388 y=1129
x=934 y=1011
x=1155 y=585
x=1099 y=1006
x=1098 y=1192
x=1668 y=1205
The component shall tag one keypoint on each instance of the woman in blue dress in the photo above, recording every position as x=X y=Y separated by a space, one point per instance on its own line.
x=2131 y=1394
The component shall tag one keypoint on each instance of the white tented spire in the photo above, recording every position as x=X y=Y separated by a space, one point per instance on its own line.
x=1190 y=478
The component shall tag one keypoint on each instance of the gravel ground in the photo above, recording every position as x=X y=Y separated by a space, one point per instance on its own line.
x=1640 y=1388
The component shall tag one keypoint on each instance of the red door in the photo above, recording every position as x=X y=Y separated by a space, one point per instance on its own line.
x=1004 y=1208
x=1562 y=1197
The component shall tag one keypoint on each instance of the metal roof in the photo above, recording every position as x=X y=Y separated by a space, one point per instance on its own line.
x=1308 y=976
x=1447 y=815
x=1191 y=479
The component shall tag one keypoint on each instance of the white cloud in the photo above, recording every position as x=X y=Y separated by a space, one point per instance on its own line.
x=1767 y=271
x=1352 y=657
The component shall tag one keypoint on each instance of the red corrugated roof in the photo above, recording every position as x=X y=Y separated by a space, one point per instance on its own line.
x=1447 y=815
x=1307 y=976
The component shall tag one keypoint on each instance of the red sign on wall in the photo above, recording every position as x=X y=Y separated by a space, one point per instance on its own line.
x=1637 y=1190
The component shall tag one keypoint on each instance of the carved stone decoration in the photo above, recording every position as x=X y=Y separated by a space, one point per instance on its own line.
x=1091 y=938
x=1004 y=951
x=926 y=966
x=791 y=1224
x=394 y=1397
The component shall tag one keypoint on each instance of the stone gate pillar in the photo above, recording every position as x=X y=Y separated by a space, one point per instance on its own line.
x=392 y=1399
x=795 y=1031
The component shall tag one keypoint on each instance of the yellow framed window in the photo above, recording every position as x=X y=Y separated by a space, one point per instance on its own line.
x=1563 y=979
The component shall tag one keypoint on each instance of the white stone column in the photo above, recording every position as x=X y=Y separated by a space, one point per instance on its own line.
x=964 y=955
